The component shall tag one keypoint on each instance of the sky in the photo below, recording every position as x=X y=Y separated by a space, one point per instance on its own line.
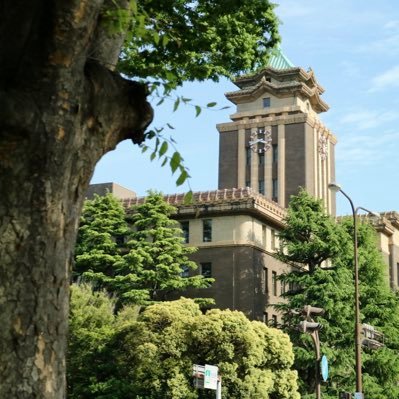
x=353 y=48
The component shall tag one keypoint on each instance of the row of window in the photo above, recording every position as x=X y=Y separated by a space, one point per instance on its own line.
x=275 y=283
x=206 y=230
x=272 y=321
x=205 y=270
x=261 y=156
x=261 y=187
x=207 y=233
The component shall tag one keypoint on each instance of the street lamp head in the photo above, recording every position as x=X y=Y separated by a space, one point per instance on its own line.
x=334 y=187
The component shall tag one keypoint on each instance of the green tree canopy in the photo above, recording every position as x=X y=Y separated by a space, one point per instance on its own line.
x=179 y=40
x=102 y=231
x=310 y=236
x=150 y=261
x=151 y=356
x=332 y=288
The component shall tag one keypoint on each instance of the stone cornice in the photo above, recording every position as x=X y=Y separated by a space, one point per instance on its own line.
x=223 y=202
x=280 y=74
x=283 y=89
x=283 y=115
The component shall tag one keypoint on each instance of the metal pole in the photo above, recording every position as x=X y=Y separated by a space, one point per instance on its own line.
x=316 y=342
x=358 y=347
x=219 y=389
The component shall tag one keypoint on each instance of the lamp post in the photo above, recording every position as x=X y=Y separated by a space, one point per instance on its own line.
x=358 y=342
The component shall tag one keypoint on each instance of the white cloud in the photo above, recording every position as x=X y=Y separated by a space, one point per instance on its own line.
x=365 y=119
x=367 y=149
x=385 y=79
x=387 y=46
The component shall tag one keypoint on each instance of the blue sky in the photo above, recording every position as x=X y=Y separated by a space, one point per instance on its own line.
x=353 y=48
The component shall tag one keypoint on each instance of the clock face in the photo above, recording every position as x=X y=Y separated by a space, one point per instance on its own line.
x=260 y=141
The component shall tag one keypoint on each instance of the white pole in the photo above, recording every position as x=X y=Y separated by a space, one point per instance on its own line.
x=219 y=389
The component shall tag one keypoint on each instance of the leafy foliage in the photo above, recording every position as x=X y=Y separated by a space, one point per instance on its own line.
x=102 y=229
x=181 y=40
x=152 y=356
x=310 y=237
x=141 y=257
x=332 y=288
x=168 y=43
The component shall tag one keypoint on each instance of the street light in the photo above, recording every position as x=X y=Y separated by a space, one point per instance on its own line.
x=358 y=342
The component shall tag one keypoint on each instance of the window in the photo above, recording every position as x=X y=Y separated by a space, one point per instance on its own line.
x=266 y=102
x=207 y=230
x=185 y=227
x=261 y=187
x=248 y=155
x=261 y=158
x=268 y=79
x=265 y=280
x=397 y=271
x=274 y=283
x=265 y=317
x=274 y=189
x=275 y=152
x=206 y=269
x=274 y=318
x=185 y=271
x=263 y=235
x=273 y=239
x=282 y=287
x=247 y=183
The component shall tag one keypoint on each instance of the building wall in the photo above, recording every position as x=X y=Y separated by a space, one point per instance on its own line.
x=243 y=279
x=228 y=160
x=234 y=230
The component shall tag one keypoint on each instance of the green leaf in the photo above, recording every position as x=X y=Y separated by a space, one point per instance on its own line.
x=176 y=104
x=163 y=149
x=164 y=162
x=188 y=198
x=170 y=126
x=210 y=105
x=144 y=148
x=182 y=178
x=153 y=155
x=155 y=36
x=186 y=100
x=160 y=101
x=197 y=110
x=165 y=40
x=175 y=161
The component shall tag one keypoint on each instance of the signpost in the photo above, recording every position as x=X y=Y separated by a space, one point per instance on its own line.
x=211 y=377
x=206 y=377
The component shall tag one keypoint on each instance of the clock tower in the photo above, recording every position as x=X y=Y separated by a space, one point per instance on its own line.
x=275 y=142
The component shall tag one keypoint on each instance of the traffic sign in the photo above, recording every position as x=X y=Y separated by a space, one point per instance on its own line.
x=324 y=368
x=211 y=377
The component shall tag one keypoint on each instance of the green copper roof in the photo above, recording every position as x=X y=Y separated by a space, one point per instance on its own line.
x=279 y=61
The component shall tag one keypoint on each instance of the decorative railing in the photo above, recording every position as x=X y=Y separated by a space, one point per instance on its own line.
x=217 y=197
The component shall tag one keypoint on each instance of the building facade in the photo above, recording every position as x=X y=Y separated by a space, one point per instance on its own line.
x=274 y=144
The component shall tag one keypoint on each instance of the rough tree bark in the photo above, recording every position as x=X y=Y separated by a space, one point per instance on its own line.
x=61 y=109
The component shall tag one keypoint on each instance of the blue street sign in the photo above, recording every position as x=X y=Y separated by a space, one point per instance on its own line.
x=324 y=368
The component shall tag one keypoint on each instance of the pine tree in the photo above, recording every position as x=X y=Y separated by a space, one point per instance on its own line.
x=139 y=257
x=311 y=240
x=102 y=231
x=157 y=260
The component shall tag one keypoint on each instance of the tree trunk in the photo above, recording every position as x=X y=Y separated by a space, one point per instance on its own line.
x=61 y=109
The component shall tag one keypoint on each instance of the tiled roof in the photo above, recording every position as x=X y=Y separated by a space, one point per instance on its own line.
x=279 y=61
